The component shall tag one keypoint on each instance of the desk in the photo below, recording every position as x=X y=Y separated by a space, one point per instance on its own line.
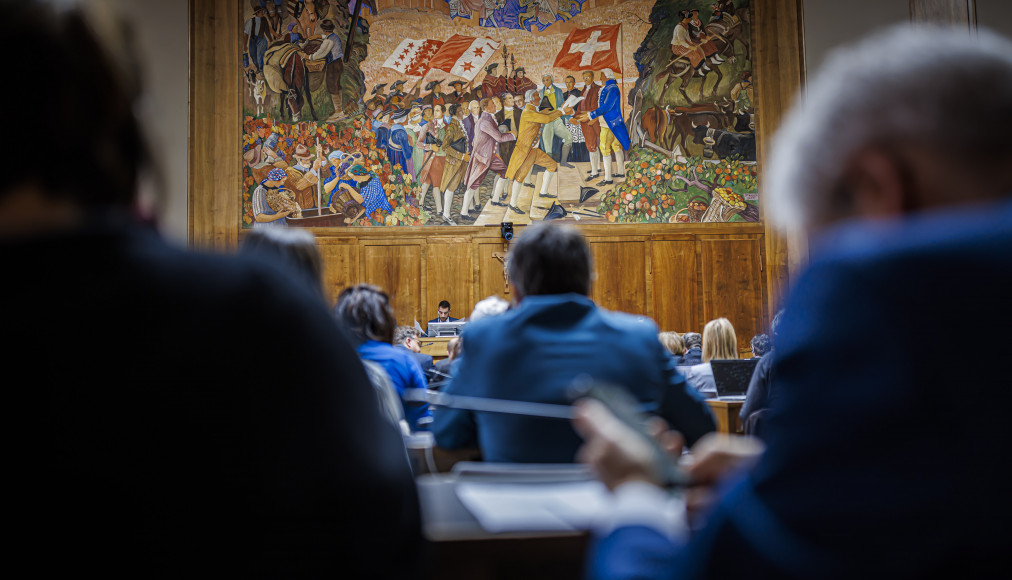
x=726 y=413
x=460 y=548
x=437 y=348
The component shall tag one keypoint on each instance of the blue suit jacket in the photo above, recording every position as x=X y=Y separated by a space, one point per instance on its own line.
x=880 y=461
x=610 y=107
x=533 y=353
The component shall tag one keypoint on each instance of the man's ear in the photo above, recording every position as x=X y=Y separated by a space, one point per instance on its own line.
x=877 y=185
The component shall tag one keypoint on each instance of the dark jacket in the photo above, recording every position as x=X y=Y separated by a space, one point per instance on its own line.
x=534 y=352
x=693 y=356
x=192 y=412
x=879 y=464
x=760 y=388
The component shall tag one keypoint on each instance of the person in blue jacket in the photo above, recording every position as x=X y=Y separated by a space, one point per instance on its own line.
x=880 y=462
x=399 y=147
x=614 y=135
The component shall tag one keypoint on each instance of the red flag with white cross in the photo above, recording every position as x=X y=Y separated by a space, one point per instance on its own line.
x=593 y=48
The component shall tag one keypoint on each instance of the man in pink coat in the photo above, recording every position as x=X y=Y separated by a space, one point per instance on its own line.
x=485 y=157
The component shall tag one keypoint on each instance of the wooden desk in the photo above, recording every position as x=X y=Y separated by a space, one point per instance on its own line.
x=726 y=413
x=437 y=348
x=460 y=548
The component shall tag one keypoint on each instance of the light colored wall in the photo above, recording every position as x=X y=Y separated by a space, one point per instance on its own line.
x=832 y=23
x=162 y=31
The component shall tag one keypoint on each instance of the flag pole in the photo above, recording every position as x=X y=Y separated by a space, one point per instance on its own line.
x=621 y=57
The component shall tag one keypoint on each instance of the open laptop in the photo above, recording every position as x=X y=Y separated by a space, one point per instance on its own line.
x=731 y=378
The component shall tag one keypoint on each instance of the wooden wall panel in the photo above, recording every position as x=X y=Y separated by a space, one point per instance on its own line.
x=676 y=301
x=491 y=281
x=340 y=265
x=732 y=285
x=449 y=275
x=621 y=268
x=397 y=268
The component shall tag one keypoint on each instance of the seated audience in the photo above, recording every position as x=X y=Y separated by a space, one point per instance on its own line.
x=293 y=248
x=366 y=311
x=693 y=349
x=760 y=386
x=407 y=337
x=442 y=369
x=536 y=350
x=876 y=465
x=182 y=413
x=673 y=343
x=761 y=345
x=719 y=342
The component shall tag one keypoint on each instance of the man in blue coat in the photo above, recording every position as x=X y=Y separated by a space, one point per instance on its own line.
x=614 y=135
x=884 y=463
x=534 y=352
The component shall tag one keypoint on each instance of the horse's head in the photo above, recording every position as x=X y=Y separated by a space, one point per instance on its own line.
x=294 y=100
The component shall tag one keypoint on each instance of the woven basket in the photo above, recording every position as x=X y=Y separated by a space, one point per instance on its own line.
x=719 y=210
x=682 y=212
x=696 y=215
x=316 y=65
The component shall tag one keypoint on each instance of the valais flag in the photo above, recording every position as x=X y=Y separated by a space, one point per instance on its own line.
x=464 y=56
x=593 y=48
x=411 y=57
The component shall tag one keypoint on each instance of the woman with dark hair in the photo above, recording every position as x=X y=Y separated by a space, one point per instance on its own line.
x=365 y=309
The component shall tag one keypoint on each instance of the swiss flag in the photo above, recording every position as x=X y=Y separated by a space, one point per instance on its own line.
x=464 y=56
x=411 y=57
x=593 y=48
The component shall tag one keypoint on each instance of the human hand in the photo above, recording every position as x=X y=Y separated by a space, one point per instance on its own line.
x=616 y=452
x=715 y=456
x=467 y=157
x=567 y=110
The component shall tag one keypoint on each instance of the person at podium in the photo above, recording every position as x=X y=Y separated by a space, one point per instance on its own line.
x=442 y=314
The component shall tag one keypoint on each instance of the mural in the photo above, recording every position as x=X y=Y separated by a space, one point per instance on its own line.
x=474 y=112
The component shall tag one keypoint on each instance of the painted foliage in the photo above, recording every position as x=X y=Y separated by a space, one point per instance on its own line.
x=473 y=112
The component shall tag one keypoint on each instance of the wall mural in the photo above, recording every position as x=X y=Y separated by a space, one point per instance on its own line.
x=473 y=112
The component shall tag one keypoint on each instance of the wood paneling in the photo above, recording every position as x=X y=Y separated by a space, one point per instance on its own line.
x=491 y=281
x=957 y=12
x=340 y=265
x=730 y=272
x=397 y=268
x=676 y=302
x=214 y=180
x=621 y=268
x=449 y=275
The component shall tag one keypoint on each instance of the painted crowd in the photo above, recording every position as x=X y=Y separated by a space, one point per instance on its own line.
x=321 y=151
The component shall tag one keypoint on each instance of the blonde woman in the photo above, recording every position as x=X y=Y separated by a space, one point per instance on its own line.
x=719 y=342
x=674 y=344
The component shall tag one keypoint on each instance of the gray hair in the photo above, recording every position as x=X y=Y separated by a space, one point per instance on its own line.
x=939 y=88
x=692 y=340
x=491 y=306
x=531 y=96
x=403 y=333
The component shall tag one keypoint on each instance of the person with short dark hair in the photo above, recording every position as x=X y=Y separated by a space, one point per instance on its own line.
x=366 y=310
x=535 y=351
x=761 y=345
x=443 y=313
x=693 y=349
x=200 y=412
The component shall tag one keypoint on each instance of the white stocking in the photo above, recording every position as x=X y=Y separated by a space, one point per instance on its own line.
x=500 y=184
x=421 y=196
x=447 y=202
x=607 y=167
x=546 y=181
x=515 y=196
x=439 y=200
x=620 y=160
x=468 y=198
x=595 y=162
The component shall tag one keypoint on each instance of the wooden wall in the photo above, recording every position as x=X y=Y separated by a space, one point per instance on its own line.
x=681 y=275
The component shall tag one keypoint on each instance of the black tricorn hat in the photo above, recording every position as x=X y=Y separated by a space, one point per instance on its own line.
x=431 y=139
x=431 y=85
x=489 y=68
x=378 y=88
x=455 y=83
x=556 y=212
x=396 y=84
x=545 y=104
x=460 y=145
x=587 y=193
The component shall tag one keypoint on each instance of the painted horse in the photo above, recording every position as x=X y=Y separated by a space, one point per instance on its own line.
x=286 y=74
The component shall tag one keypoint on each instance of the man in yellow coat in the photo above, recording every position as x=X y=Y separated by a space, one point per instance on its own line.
x=526 y=154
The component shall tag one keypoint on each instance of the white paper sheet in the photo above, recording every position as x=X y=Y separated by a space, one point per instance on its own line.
x=517 y=507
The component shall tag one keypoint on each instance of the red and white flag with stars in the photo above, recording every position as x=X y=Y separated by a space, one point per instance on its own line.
x=411 y=57
x=464 y=56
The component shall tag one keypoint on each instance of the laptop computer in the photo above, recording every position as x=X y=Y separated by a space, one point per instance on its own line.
x=731 y=377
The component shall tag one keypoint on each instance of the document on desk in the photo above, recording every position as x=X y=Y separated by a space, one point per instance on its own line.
x=520 y=507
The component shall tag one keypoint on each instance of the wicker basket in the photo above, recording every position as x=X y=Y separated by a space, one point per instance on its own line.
x=720 y=210
x=696 y=215
x=316 y=65
x=680 y=213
